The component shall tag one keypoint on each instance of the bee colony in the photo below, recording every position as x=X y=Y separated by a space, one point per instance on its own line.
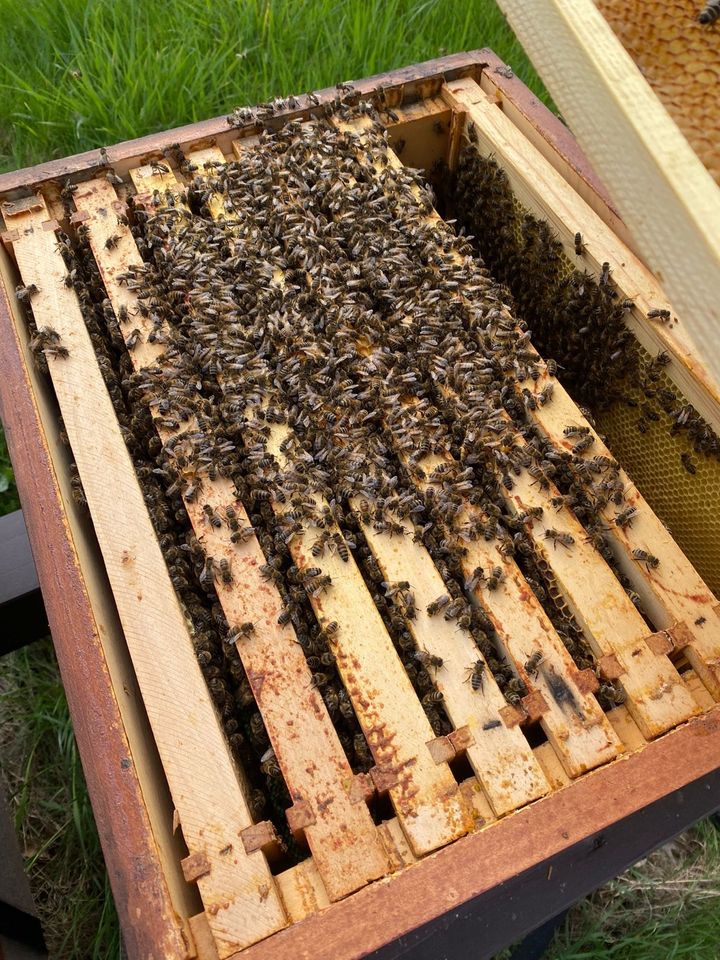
x=382 y=580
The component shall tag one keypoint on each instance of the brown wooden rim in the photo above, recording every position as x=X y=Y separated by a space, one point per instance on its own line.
x=148 y=920
x=369 y=918
x=384 y=911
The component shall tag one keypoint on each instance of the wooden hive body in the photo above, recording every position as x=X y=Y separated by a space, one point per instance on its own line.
x=209 y=887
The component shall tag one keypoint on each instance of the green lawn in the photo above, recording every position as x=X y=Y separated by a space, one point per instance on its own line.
x=76 y=74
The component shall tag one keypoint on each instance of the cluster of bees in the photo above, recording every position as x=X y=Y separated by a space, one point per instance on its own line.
x=577 y=319
x=329 y=307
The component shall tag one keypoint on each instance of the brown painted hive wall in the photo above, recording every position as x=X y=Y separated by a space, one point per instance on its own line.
x=680 y=58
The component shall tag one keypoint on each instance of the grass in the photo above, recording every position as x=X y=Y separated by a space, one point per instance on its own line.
x=53 y=817
x=81 y=74
x=77 y=74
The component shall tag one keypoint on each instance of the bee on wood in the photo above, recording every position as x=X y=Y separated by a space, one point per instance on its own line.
x=642 y=556
x=225 y=571
x=454 y=609
x=688 y=464
x=113 y=178
x=158 y=167
x=319 y=585
x=700 y=621
x=579 y=245
x=310 y=574
x=318 y=547
x=626 y=517
x=557 y=536
x=25 y=293
x=476 y=675
x=545 y=395
x=533 y=663
x=242 y=632
x=242 y=535
x=342 y=547
x=437 y=605
x=658 y=313
x=329 y=631
x=112 y=241
x=428 y=660
x=133 y=338
x=213 y=518
x=497 y=575
x=583 y=444
x=551 y=367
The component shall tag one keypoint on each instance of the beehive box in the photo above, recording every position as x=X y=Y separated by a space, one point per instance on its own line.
x=314 y=755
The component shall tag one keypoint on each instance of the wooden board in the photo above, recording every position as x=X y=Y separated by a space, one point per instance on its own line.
x=657 y=697
x=341 y=834
x=570 y=716
x=423 y=792
x=665 y=195
x=545 y=193
x=673 y=592
x=237 y=889
x=125 y=779
x=498 y=753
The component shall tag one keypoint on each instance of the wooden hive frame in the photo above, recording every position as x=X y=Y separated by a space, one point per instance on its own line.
x=148 y=736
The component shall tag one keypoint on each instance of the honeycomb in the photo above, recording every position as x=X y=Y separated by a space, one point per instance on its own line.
x=521 y=251
x=680 y=58
x=687 y=504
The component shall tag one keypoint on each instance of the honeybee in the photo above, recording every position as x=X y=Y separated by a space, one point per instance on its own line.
x=25 y=293
x=709 y=13
x=579 y=245
x=212 y=517
x=557 y=536
x=583 y=444
x=642 y=556
x=476 y=675
x=437 y=605
x=497 y=575
x=242 y=632
x=687 y=462
x=431 y=698
x=533 y=663
x=626 y=517
x=428 y=659
x=659 y=313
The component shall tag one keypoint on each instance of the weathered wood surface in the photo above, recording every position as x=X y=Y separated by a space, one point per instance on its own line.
x=238 y=890
x=341 y=834
x=664 y=193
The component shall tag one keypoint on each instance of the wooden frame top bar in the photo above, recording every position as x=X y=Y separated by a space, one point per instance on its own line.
x=470 y=867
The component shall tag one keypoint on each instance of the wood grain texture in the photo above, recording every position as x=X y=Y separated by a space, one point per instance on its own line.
x=680 y=59
x=342 y=837
x=425 y=794
x=657 y=697
x=665 y=195
x=147 y=912
x=674 y=591
x=381 y=913
x=545 y=193
x=238 y=891
x=500 y=755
